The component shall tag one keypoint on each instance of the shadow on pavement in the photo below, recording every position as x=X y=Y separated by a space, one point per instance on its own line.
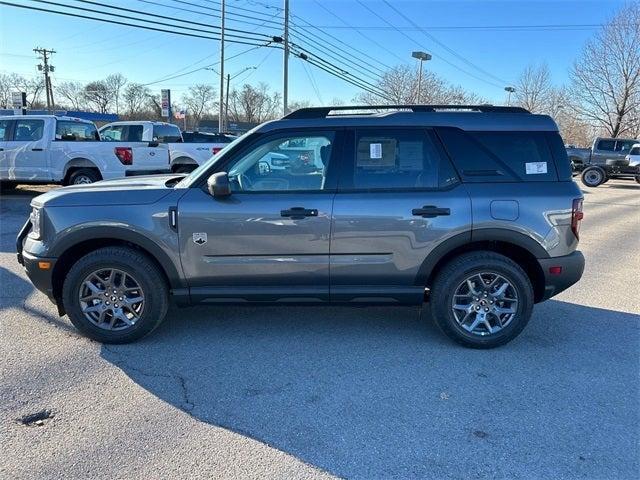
x=379 y=393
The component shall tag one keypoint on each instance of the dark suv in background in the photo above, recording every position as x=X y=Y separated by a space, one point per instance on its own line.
x=469 y=208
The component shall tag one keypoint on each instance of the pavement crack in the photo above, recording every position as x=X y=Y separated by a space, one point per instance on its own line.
x=187 y=404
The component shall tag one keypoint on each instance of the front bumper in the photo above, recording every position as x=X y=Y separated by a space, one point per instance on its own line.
x=571 y=269
x=41 y=277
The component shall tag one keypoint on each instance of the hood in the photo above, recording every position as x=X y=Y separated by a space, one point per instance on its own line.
x=124 y=191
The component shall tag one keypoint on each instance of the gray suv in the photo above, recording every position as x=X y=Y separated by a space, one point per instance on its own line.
x=469 y=209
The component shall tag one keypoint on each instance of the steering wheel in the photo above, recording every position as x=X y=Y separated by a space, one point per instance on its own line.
x=245 y=182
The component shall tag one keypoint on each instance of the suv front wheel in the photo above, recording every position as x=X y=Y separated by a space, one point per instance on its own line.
x=481 y=299
x=115 y=295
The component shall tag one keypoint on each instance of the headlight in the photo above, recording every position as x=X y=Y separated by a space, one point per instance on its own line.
x=36 y=222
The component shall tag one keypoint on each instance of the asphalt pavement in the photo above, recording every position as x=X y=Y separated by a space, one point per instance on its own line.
x=322 y=392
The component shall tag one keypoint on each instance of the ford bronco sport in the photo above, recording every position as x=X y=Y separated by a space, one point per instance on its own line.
x=470 y=209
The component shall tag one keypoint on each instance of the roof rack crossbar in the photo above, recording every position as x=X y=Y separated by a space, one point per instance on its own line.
x=321 y=112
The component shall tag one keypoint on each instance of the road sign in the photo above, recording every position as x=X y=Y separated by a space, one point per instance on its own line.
x=165 y=96
x=19 y=102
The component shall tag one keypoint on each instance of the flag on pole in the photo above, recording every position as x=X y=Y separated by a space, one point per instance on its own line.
x=180 y=115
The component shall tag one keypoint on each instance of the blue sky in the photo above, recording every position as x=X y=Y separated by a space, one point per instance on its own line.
x=89 y=50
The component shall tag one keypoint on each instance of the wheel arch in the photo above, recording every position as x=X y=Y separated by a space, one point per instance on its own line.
x=83 y=242
x=514 y=245
x=75 y=164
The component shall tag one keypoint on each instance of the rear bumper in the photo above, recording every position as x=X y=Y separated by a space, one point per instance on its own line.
x=572 y=267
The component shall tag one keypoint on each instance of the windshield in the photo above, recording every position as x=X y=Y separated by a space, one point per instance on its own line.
x=190 y=179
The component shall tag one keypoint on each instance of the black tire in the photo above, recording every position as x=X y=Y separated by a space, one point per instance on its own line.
x=638 y=179
x=136 y=264
x=84 y=176
x=455 y=273
x=593 y=176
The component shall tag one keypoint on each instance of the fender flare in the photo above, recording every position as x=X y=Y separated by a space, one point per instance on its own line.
x=469 y=238
x=121 y=233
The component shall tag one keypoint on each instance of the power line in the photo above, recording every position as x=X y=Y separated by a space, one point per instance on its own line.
x=115 y=22
x=138 y=12
x=414 y=41
x=435 y=40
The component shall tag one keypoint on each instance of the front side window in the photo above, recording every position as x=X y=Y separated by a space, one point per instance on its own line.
x=166 y=134
x=76 y=131
x=28 y=130
x=623 y=146
x=275 y=165
x=400 y=159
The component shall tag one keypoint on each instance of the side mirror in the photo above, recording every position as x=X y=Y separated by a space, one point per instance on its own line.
x=218 y=185
x=154 y=144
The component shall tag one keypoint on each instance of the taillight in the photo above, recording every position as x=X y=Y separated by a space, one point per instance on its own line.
x=124 y=154
x=576 y=216
x=216 y=149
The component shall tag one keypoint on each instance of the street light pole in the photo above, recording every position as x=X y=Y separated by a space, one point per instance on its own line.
x=221 y=100
x=509 y=91
x=423 y=57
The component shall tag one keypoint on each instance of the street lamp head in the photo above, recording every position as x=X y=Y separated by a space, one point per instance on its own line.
x=509 y=89
x=421 y=56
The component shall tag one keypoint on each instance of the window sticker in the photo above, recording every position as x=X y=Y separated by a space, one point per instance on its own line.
x=535 y=168
x=375 y=150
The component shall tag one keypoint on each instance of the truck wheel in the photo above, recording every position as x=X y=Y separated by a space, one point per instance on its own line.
x=638 y=179
x=115 y=295
x=481 y=299
x=84 y=176
x=593 y=176
x=184 y=168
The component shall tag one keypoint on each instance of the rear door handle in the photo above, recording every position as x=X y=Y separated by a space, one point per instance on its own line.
x=298 y=213
x=430 y=211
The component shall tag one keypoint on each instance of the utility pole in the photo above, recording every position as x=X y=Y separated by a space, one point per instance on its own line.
x=221 y=100
x=46 y=68
x=226 y=104
x=285 y=70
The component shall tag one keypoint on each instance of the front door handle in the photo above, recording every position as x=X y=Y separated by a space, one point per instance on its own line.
x=298 y=213
x=36 y=149
x=430 y=211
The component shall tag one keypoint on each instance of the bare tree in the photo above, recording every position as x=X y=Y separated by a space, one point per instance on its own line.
x=199 y=100
x=254 y=104
x=298 y=104
x=400 y=84
x=136 y=99
x=115 y=83
x=72 y=93
x=534 y=88
x=6 y=86
x=605 y=80
x=98 y=95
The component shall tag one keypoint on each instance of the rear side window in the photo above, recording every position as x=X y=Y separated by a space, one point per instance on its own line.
x=28 y=130
x=166 y=134
x=623 y=146
x=403 y=159
x=4 y=130
x=500 y=156
x=607 y=145
x=76 y=131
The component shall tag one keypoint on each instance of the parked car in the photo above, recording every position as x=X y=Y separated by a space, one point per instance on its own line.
x=185 y=156
x=66 y=150
x=470 y=209
x=606 y=159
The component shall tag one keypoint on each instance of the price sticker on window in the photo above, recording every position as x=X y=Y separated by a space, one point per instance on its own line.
x=375 y=150
x=535 y=168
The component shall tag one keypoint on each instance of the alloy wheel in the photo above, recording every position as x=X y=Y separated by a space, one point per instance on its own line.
x=111 y=299
x=485 y=303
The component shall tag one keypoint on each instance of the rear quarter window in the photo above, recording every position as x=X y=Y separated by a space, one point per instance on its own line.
x=76 y=131
x=167 y=134
x=500 y=156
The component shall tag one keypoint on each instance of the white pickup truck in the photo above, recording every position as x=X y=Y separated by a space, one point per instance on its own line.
x=185 y=156
x=66 y=150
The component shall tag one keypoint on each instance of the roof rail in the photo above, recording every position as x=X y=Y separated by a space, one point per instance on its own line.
x=321 y=112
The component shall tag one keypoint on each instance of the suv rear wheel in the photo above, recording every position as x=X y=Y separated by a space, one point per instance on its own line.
x=481 y=299
x=115 y=295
